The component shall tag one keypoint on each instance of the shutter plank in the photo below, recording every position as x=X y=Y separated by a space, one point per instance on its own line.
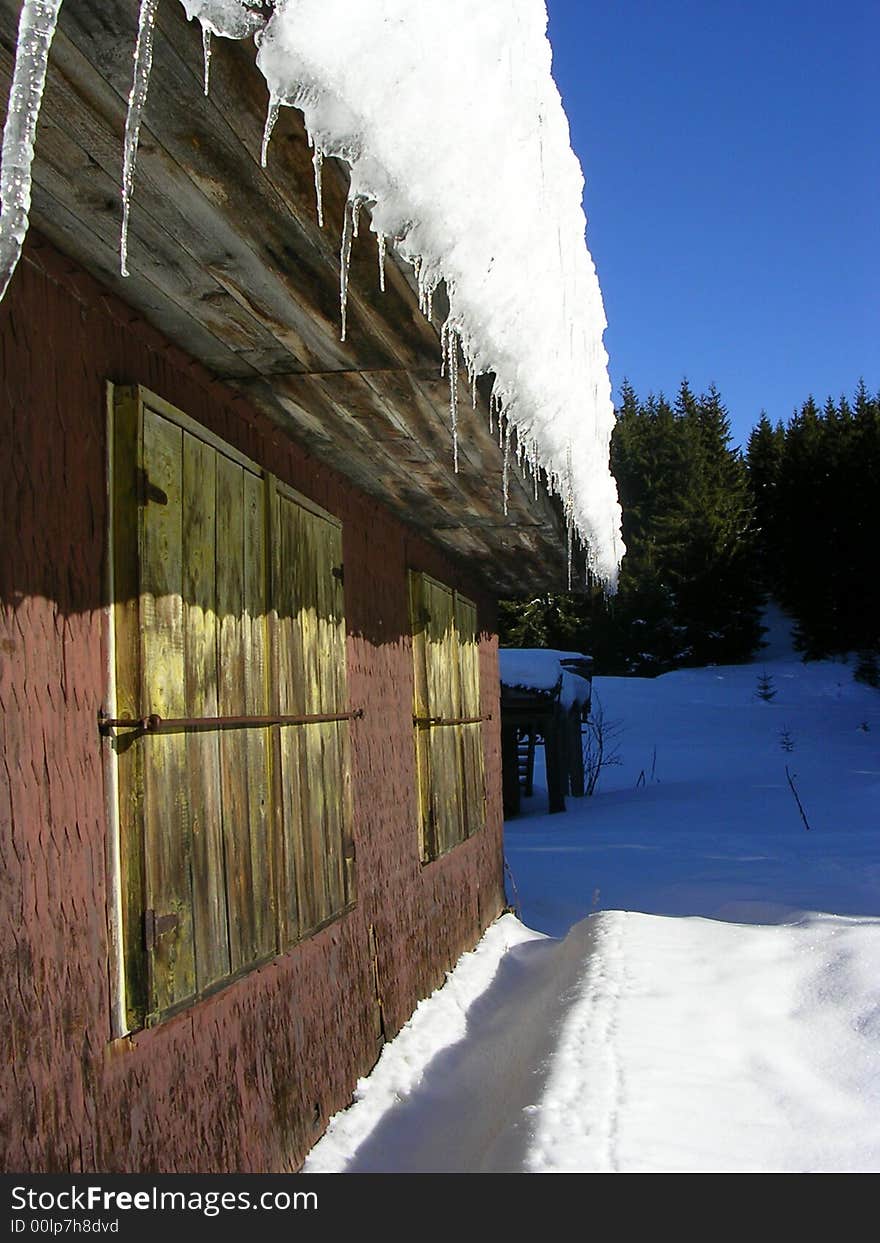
x=417 y=612
x=167 y=813
x=231 y=690
x=342 y=730
x=202 y=699
x=331 y=674
x=256 y=692
x=307 y=568
x=290 y=699
x=471 y=743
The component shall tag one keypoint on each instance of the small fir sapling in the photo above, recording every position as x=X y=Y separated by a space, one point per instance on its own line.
x=765 y=690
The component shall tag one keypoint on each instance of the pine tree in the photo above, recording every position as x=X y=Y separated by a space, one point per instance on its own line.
x=688 y=592
x=818 y=512
x=764 y=452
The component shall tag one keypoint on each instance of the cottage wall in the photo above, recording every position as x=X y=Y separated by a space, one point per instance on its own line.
x=245 y=1080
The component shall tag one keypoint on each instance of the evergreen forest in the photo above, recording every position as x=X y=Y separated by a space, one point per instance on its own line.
x=712 y=533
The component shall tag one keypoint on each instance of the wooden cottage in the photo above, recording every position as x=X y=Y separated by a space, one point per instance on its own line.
x=250 y=801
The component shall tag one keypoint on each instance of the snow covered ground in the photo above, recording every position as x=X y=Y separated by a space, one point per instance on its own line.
x=695 y=983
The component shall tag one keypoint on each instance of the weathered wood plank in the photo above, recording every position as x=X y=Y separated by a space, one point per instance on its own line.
x=200 y=542
x=188 y=150
x=462 y=512
x=305 y=567
x=232 y=702
x=256 y=690
x=238 y=93
x=289 y=700
x=168 y=833
x=471 y=736
x=332 y=684
x=78 y=166
x=101 y=259
x=417 y=613
x=295 y=633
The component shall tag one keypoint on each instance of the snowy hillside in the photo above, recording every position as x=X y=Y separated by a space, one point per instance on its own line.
x=708 y=996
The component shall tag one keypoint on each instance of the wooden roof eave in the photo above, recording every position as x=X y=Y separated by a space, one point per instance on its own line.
x=227 y=259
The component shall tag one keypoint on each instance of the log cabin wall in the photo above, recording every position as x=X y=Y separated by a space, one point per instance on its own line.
x=246 y=1079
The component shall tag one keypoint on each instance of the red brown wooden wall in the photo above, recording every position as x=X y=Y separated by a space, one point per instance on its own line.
x=246 y=1079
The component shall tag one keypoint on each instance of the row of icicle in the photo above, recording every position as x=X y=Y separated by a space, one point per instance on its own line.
x=37 y=24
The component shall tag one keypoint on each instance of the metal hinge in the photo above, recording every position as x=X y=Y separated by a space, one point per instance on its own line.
x=339 y=573
x=155 y=925
x=147 y=491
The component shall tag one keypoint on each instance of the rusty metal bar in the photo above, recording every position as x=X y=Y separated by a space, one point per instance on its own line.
x=451 y=720
x=154 y=724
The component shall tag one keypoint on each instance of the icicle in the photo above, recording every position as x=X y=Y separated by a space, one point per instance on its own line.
x=36 y=28
x=569 y=508
x=429 y=304
x=444 y=347
x=492 y=412
x=381 y=242
x=473 y=388
x=318 y=162
x=345 y=261
x=355 y=214
x=143 y=62
x=271 y=117
x=206 y=47
x=453 y=393
x=506 y=476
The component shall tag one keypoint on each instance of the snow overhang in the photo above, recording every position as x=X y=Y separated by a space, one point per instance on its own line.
x=229 y=260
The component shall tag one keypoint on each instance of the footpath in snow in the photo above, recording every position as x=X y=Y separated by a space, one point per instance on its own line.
x=695 y=981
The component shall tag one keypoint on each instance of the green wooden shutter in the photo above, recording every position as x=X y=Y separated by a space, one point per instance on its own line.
x=207 y=828
x=449 y=757
x=315 y=764
x=228 y=603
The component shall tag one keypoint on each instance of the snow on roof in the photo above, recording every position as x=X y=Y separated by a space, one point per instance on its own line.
x=455 y=134
x=539 y=669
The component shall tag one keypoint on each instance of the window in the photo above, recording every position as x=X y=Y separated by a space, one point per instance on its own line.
x=234 y=825
x=447 y=716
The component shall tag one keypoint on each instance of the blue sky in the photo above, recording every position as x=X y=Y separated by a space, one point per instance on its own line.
x=732 y=157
